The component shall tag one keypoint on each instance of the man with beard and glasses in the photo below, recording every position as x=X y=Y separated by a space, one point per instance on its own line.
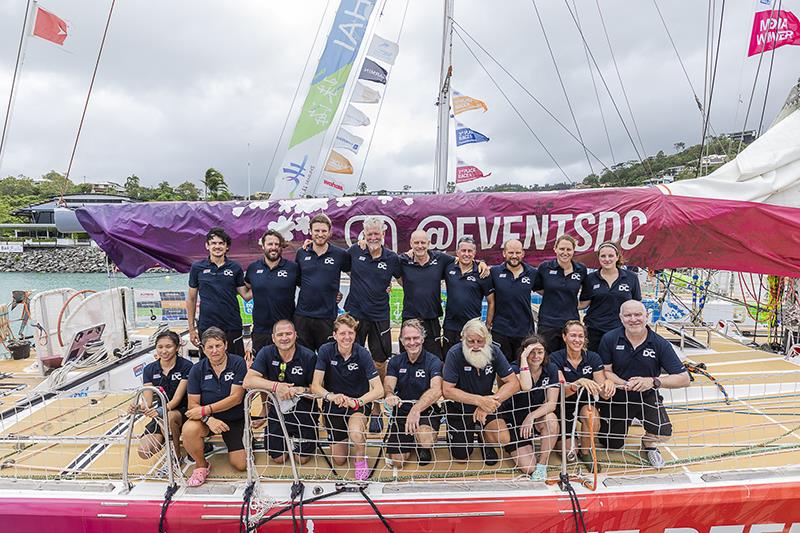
x=272 y=280
x=465 y=292
x=470 y=371
x=511 y=319
x=321 y=265
x=371 y=273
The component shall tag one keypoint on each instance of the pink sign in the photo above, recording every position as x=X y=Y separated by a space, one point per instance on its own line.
x=772 y=29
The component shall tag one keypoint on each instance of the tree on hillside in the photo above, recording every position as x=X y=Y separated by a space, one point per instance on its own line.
x=133 y=186
x=362 y=188
x=187 y=191
x=164 y=192
x=592 y=180
x=679 y=146
x=55 y=185
x=21 y=186
x=215 y=186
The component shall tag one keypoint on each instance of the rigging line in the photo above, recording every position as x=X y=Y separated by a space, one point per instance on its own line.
x=88 y=95
x=769 y=80
x=561 y=82
x=739 y=101
x=294 y=97
x=596 y=92
x=457 y=31
x=646 y=165
x=713 y=79
x=383 y=99
x=14 y=80
x=530 y=94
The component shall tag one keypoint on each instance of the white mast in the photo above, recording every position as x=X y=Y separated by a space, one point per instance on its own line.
x=443 y=128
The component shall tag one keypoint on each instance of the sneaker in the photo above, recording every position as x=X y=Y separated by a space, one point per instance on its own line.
x=654 y=456
x=540 y=474
x=362 y=470
x=376 y=424
x=586 y=459
x=489 y=455
x=424 y=457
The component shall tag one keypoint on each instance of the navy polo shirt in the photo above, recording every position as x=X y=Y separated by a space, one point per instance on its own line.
x=154 y=375
x=413 y=379
x=590 y=363
x=465 y=294
x=350 y=377
x=217 y=289
x=522 y=403
x=369 y=279
x=319 y=281
x=422 y=285
x=646 y=360
x=603 y=312
x=273 y=292
x=470 y=379
x=512 y=300
x=560 y=296
x=298 y=372
x=203 y=381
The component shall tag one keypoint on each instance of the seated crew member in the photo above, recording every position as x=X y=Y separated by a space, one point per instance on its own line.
x=216 y=405
x=371 y=273
x=321 y=265
x=286 y=368
x=532 y=410
x=511 y=320
x=634 y=356
x=581 y=369
x=414 y=375
x=170 y=373
x=465 y=292
x=604 y=291
x=470 y=371
x=559 y=282
x=347 y=380
x=217 y=280
x=272 y=280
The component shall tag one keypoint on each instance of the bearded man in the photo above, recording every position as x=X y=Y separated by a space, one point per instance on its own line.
x=470 y=371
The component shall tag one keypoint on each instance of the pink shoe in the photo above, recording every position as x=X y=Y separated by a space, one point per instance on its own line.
x=362 y=470
x=199 y=476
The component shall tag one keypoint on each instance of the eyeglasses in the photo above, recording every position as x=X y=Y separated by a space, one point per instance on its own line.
x=282 y=373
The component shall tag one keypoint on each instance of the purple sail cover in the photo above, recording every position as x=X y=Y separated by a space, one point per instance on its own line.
x=654 y=230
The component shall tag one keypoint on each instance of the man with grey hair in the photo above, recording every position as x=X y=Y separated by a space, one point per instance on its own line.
x=465 y=292
x=470 y=371
x=371 y=273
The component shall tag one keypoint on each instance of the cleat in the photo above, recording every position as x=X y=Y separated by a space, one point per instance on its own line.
x=654 y=457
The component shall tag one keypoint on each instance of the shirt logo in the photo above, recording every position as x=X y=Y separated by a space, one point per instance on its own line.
x=260 y=271
x=525 y=280
x=452 y=272
x=362 y=258
x=228 y=376
x=435 y=262
x=283 y=274
x=382 y=265
x=620 y=346
x=329 y=261
x=297 y=371
x=156 y=376
x=307 y=258
x=553 y=272
x=467 y=369
x=275 y=363
x=471 y=278
x=352 y=366
x=576 y=276
x=208 y=376
x=403 y=370
x=503 y=275
x=420 y=373
x=334 y=363
x=545 y=382
x=207 y=271
x=649 y=352
x=587 y=370
x=489 y=369
x=227 y=272
x=597 y=286
x=624 y=287
x=177 y=376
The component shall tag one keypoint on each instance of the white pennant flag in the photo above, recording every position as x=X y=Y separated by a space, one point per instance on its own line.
x=355 y=117
x=348 y=141
x=364 y=95
x=383 y=49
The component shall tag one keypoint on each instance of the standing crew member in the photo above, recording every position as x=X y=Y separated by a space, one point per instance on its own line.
x=634 y=356
x=372 y=270
x=604 y=291
x=217 y=280
x=511 y=320
x=272 y=280
x=414 y=375
x=559 y=281
x=321 y=265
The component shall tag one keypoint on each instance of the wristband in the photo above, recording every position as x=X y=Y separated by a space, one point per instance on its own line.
x=325 y=397
x=358 y=404
x=202 y=411
x=274 y=386
x=524 y=368
x=210 y=410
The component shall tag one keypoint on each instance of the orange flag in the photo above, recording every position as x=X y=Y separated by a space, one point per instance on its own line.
x=338 y=164
x=463 y=103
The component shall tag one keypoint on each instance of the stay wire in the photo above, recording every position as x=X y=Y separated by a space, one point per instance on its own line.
x=769 y=80
x=14 y=79
x=561 y=83
x=457 y=31
x=713 y=79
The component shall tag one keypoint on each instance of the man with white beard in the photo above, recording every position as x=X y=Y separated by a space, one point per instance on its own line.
x=469 y=374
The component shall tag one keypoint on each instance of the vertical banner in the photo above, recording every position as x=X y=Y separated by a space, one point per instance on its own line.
x=299 y=166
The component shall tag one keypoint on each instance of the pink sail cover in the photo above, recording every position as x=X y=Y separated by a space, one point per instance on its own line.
x=654 y=230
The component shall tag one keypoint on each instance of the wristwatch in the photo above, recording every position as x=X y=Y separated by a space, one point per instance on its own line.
x=656 y=383
x=204 y=419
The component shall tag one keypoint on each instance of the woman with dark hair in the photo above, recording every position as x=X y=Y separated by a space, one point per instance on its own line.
x=582 y=369
x=170 y=373
x=559 y=282
x=605 y=290
x=216 y=404
x=348 y=382
x=532 y=410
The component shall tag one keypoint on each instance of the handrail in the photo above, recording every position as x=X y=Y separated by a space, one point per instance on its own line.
x=165 y=432
x=247 y=437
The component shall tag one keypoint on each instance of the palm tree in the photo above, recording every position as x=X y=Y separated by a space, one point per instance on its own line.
x=215 y=186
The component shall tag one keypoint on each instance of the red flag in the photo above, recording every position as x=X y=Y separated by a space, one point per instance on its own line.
x=465 y=172
x=49 y=27
x=772 y=29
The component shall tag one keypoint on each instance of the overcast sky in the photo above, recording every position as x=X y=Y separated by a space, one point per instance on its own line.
x=187 y=85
